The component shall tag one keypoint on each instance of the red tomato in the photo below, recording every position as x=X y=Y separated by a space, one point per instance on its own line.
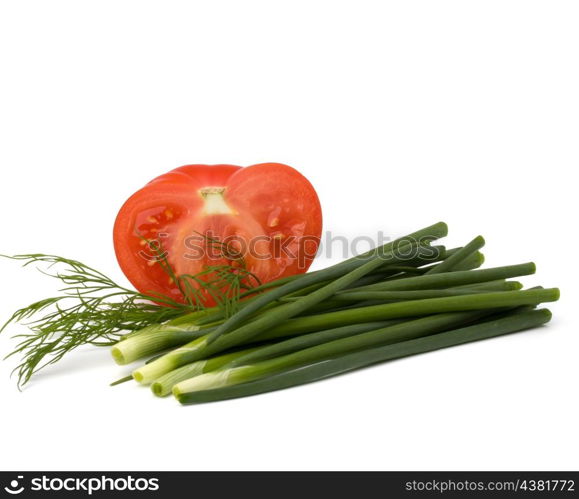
x=268 y=213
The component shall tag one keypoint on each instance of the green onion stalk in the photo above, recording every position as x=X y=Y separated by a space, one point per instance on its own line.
x=471 y=262
x=356 y=296
x=417 y=265
x=513 y=322
x=368 y=262
x=150 y=372
x=389 y=334
x=452 y=279
x=458 y=257
x=154 y=339
x=396 y=310
x=163 y=385
x=161 y=338
x=203 y=347
x=199 y=349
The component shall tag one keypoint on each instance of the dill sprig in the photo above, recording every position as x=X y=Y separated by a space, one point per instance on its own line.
x=92 y=309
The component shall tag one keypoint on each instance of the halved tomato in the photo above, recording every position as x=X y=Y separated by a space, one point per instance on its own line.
x=266 y=216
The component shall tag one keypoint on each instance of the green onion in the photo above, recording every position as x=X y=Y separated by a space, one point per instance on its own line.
x=437 y=253
x=433 y=232
x=513 y=322
x=471 y=262
x=419 y=294
x=492 y=285
x=307 y=340
x=455 y=259
x=388 y=271
x=498 y=285
x=163 y=385
x=151 y=371
x=451 y=279
x=279 y=314
x=356 y=296
x=479 y=301
x=199 y=349
x=154 y=339
x=388 y=334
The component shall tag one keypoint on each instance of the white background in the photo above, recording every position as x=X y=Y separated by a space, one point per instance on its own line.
x=400 y=113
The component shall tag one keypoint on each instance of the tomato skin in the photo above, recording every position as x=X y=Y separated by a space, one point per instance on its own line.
x=269 y=211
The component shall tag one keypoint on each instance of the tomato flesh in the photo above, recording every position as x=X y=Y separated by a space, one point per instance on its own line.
x=268 y=213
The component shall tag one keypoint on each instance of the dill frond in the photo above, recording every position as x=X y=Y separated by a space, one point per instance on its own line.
x=92 y=309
